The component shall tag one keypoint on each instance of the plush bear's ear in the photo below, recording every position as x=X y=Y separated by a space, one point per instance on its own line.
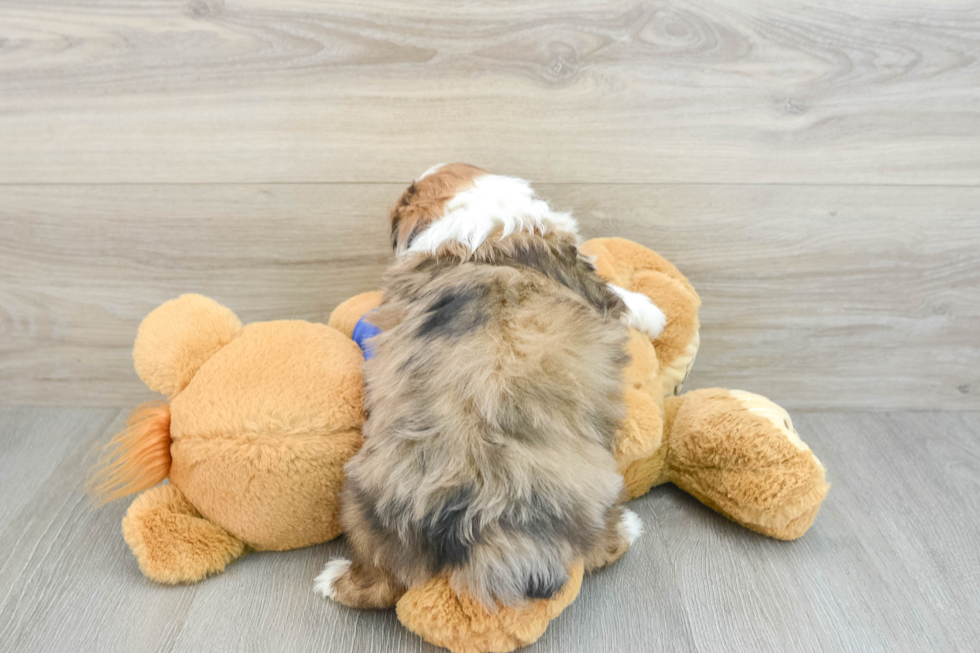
x=178 y=337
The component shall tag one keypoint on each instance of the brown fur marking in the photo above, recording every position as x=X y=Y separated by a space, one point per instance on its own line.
x=424 y=201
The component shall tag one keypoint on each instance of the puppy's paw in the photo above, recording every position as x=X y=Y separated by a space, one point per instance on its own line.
x=325 y=583
x=632 y=525
x=641 y=313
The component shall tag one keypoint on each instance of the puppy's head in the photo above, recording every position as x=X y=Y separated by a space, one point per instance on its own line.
x=425 y=200
x=461 y=204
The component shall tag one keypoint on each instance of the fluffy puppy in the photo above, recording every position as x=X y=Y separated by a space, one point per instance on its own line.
x=493 y=398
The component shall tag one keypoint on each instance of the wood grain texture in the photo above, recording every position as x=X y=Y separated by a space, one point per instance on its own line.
x=782 y=91
x=817 y=296
x=890 y=565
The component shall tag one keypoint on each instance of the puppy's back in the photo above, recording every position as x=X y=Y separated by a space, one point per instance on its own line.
x=493 y=405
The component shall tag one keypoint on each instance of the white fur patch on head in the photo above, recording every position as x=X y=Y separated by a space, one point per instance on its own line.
x=493 y=202
x=430 y=171
x=632 y=525
x=641 y=313
x=324 y=583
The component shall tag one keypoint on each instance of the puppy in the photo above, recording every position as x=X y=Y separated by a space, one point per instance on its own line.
x=493 y=398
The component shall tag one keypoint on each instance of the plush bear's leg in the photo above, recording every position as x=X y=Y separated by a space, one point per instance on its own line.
x=738 y=453
x=172 y=542
x=463 y=625
x=623 y=527
x=358 y=585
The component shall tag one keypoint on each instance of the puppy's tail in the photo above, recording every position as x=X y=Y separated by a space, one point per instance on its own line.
x=493 y=576
x=135 y=459
x=546 y=585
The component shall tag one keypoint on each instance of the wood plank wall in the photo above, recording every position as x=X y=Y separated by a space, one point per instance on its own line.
x=814 y=167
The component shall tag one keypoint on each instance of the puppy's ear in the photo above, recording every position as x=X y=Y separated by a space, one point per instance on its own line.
x=411 y=236
x=395 y=222
x=400 y=216
x=401 y=241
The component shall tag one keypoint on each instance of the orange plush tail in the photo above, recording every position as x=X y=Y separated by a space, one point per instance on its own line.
x=136 y=459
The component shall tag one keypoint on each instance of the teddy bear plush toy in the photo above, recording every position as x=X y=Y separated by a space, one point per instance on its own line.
x=261 y=419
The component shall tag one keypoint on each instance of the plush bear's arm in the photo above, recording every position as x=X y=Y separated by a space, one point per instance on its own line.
x=459 y=623
x=637 y=269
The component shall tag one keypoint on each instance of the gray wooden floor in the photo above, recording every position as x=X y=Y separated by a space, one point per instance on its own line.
x=892 y=563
